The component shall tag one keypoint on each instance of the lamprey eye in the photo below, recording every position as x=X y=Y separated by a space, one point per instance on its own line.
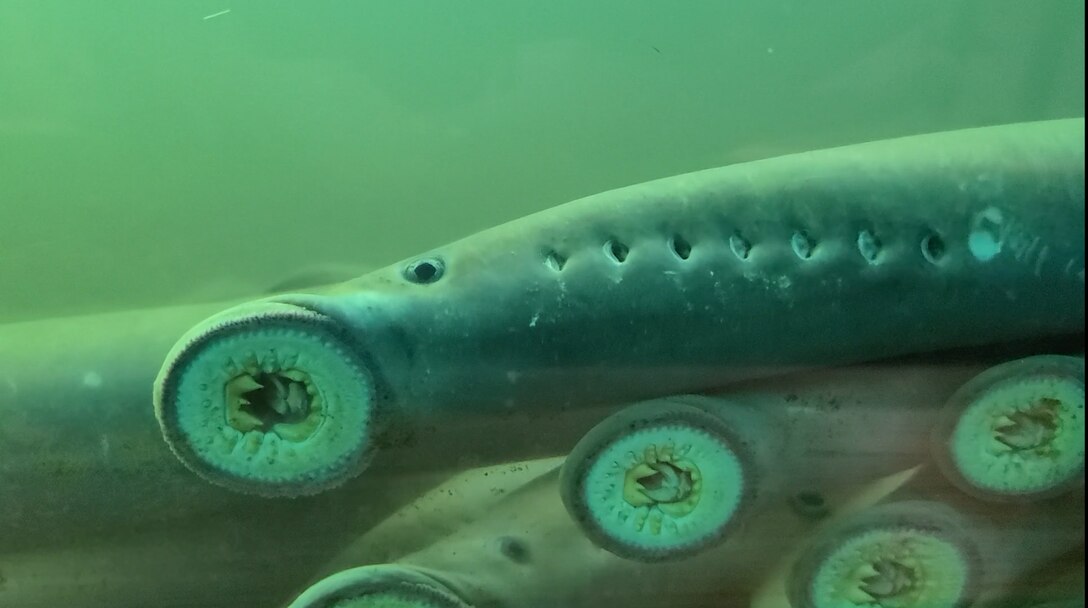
x=425 y=271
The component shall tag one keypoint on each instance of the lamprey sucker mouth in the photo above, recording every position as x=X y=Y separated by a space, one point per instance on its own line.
x=268 y=399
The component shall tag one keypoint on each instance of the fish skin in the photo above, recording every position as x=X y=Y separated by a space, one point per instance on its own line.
x=500 y=328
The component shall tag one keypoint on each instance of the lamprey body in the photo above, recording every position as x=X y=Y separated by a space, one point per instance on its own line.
x=844 y=255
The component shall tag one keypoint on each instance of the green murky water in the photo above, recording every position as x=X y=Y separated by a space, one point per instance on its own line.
x=150 y=155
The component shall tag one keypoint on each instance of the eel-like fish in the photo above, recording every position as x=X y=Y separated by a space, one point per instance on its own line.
x=849 y=254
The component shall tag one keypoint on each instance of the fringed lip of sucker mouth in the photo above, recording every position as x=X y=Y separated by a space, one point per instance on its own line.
x=358 y=587
x=269 y=399
x=915 y=554
x=658 y=481
x=1016 y=433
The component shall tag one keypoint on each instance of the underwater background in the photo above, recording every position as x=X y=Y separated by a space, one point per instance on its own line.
x=162 y=152
x=159 y=160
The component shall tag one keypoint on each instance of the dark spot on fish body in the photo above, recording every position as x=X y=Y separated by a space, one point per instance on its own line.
x=425 y=271
x=554 y=260
x=740 y=246
x=514 y=548
x=933 y=248
x=869 y=245
x=617 y=251
x=802 y=244
x=680 y=247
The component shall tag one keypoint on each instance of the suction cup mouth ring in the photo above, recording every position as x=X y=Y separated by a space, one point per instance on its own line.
x=657 y=481
x=268 y=399
x=1016 y=431
x=382 y=586
x=907 y=555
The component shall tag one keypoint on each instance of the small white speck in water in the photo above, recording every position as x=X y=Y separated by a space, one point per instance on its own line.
x=214 y=15
x=536 y=317
x=104 y=442
x=92 y=380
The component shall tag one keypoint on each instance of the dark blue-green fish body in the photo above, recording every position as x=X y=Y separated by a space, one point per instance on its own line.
x=845 y=255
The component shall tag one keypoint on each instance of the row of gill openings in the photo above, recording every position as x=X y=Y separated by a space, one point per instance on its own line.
x=803 y=245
